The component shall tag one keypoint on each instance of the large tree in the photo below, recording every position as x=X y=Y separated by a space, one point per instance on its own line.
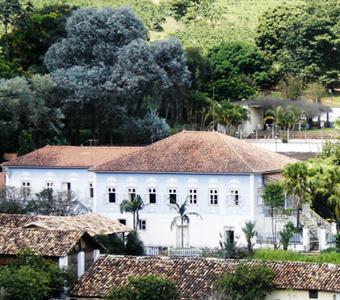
x=30 y=113
x=107 y=66
x=303 y=40
x=239 y=70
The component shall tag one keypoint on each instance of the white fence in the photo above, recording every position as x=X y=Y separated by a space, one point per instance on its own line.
x=185 y=252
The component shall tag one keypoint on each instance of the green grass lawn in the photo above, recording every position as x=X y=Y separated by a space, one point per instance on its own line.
x=281 y=255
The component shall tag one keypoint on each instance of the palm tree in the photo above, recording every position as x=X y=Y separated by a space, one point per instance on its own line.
x=296 y=185
x=249 y=232
x=182 y=218
x=133 y=207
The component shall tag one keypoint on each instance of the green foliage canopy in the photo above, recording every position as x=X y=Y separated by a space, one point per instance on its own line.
x=246 y=283
x=146 y=288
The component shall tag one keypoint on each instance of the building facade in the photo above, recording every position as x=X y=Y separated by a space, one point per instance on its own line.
x=219 y=177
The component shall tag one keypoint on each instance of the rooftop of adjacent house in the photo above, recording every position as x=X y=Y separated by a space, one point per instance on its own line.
x=93 y=224
x=69 y=156
x=53 y=243
x=195 y=277
x=198 y=152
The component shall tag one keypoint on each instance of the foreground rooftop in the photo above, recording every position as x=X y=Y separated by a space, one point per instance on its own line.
x=195 y=277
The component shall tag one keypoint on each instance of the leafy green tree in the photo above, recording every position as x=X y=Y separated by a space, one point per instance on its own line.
x=28 y=41
x=227 y=114
x=296 y=185
x=286 y=234
x=246 y=283
x=302 y=40
x=29 y=109
x=12 y=201
x=10 y=12
x=134 y=246
x=25 y=142
x=291 y=87
x=182 y=218
x=150 y=129
x=239 y=70
x=48 y=202
x=133 y=206
x=33 y=278
x=107 y=66
x=274 y=197
x=249 y=232
x=146 y=288
x=113 y=243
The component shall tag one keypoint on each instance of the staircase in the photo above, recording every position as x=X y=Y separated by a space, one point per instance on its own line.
x=311 y=220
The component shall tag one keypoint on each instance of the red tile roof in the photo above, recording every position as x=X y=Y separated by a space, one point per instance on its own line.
x=195 y=278
x=54 y=243
x=69 y=156
x=93 y=224
x=201 y=152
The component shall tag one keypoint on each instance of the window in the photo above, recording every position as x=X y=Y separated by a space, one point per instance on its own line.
x=49 y=185
x=112 y=194
x=213 y=196
x=142 y=224
x=192 y=196
x=91 y=190
x=131 y=194
x=26 y=188
x=234 y=197
x=313 y=294
x=122 y=221
x=67 y=186
x=152 y=196
x=172 y=196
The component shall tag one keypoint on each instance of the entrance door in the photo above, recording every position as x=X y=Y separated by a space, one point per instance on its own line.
x=229 y=237
x=182 y=233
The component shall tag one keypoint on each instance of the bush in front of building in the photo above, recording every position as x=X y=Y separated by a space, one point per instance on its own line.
x=246 y=283
x=134 y=246
x=33 y=278
x=146 y=288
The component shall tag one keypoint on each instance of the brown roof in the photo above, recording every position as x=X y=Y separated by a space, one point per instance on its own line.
x=195 y=277
x=2 y=180
x=201 y=152
x=54 y=243
x=93 y=224
x=69 y=156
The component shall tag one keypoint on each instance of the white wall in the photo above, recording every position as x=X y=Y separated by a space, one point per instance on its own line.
x=299 y=295
x=203 y=232
x=38 y=177
x=255 y=120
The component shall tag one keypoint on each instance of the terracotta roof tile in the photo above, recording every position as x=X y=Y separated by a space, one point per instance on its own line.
x=93 y=224
x=201 y=152
x=54 y=243
x=195 y=277
x=69 y=156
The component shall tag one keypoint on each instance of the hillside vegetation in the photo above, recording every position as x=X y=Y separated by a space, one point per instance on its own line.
x=222 y=20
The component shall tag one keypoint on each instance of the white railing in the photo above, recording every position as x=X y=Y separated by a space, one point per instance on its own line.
x=185 y=252
x=320 y=220
x=151 y=251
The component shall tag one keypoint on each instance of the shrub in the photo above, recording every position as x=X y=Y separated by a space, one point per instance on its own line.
x=329 y=256
x=112 y=243
x=246 y=283
x=134 y=246
x=286 y=234
x=146 y=288
x=33 y=278
x=337 y=241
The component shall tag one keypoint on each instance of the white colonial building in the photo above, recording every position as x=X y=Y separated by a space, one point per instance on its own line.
x=219 y=176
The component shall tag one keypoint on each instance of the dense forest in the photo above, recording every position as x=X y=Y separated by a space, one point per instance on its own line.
x=131 y=72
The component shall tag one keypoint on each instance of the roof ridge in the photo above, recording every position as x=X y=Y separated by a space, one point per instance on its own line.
x=235 y=152
x=142 y=148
